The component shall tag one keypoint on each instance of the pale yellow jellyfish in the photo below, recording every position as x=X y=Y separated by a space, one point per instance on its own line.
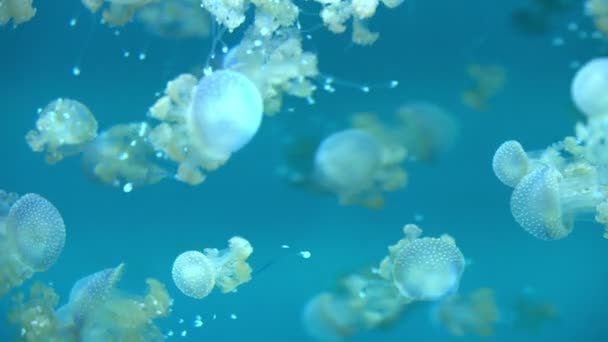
x=19 y=11
x=329 y=318
x=488 y=80
x=95 y=311
x=476 y=313
x=346 y=162
x=196 y=274
x=588 y=88
x=546 y=202
x=423 y=268
x=176 y=19
x=32 y=236
x=63 y=128
x=123 y=157
x=117 y=12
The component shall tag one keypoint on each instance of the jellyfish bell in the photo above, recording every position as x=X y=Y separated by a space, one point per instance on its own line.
x=225 y=113
x=37 y=230
x=428 y=268
x=347 y=161
x=193 y=274
x=589 y=86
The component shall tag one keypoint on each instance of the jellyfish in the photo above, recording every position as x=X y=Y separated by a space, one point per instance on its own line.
x=95 y=311
x=176 y=19
x=329 y=318
x=225 y=113
x=546 y=202
x=475 y=313
x=32 y=237
x=123 y=156
x=347 y=161
x=64 y=127
x=423 y=268
x=531 y=312
x=195 y=274
x=588 y=88
x=510 y=163
x=488 y=80
x=116 y=12
x=428 y=131
x=19 y=11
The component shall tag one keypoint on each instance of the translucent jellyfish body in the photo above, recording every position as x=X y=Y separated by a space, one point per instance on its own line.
x=19 y=11
x=225 y=113
x=424 y=268
x=123 y=156
x=546 y=202
x=95 y=311
x=329 y=318
x=63 y=128
x=589 y=86
x=196 y=274
x=176 y=19
x=32 y=236
x=476 y=313
x=347 y=161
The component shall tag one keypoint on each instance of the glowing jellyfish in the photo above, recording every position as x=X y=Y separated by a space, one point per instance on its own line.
x=475 y=313
x=348 y=161
x=63 y=128
x=225 y=113
x=589 y=87
x=428 y=268
x=196 y=274
x=546 y=202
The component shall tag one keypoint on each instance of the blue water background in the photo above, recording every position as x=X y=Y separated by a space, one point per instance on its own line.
x=426 y=45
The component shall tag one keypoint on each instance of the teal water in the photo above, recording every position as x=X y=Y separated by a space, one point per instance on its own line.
x=426 y=45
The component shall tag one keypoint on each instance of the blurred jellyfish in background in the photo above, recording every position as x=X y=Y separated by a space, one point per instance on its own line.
x=176 y=19
x=535 y=18
x=568 y=180
x=531 y=313
x=96 y=311
x=123 y=157
x=427 y=130
x=32 y=236
x=19 y=11
x=116 y=12
x=475 y=313
x=419 y=130
x=487 y=80
x=598 y=10
x=195 y=274
x=376 y=298
x=63 y=128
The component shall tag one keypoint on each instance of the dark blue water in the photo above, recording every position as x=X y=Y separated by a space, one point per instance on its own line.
x=426 y=45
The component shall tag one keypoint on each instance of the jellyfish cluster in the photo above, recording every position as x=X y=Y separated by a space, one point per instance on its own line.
x=417 y=269
x=96 y=310
x=552 y=188
x=363 y=162
x=32 y=237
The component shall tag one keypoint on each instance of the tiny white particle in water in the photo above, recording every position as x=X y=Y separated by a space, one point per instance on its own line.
x=73 y=22
x=184 y=333
x=142 y=56
x=285 y=246
x=233 y=316
x=75 y=71
x=127 y=187
x=305 y=254
x=181 y=321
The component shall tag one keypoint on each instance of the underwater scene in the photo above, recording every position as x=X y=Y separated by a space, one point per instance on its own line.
x=303 y=170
